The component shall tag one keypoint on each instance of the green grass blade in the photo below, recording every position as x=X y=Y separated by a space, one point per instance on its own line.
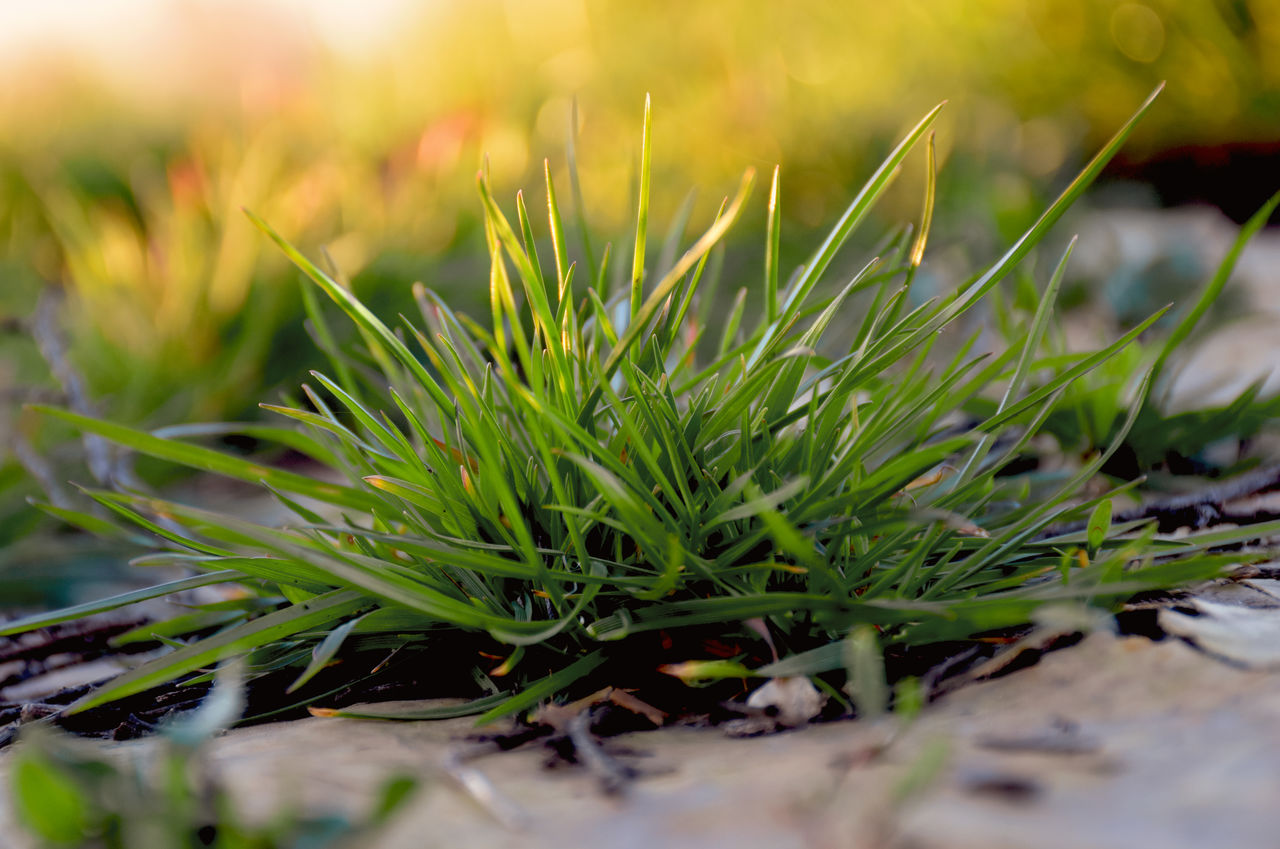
x=666 y=285
x=325 y=652
x=417 y=714
x=773 y=243
x=1049 y=217
x=1031 y=345
x=543 y=688
x=557 y=238
x=276 y=436
x=358 y=312
x=207 y=460
x=642 y=213
x=264 y=630
x=90 y=523
x=90 y=608
x=1064 y=378
x=1210 y=294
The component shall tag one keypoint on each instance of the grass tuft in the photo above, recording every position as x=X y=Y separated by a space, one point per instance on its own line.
x=594 y=465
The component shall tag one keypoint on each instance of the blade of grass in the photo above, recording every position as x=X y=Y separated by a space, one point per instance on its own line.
x=642 y=213
x=772 y=244
x=238 y=640
x=205 y=459
x=90 y=608
x=543 y=688
x=1210 y=294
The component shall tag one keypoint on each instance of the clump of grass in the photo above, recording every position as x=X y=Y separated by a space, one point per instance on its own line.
x=594 y=464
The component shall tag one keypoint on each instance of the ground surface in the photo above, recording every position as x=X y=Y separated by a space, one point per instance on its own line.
x=1116 y=742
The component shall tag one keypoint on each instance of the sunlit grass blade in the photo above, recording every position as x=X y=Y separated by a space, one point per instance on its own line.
x=930 y=192
x=357 y=311
x=642 y=213
x=557 y=239
x=1049 y=217
x=773 y=242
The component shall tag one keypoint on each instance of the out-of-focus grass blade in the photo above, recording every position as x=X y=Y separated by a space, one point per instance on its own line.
x=358 y=312
x=316 y=613
x=90 y=523
x=1084 y=365
x=282 y=436
x=208 y=460
x=575 y=187
x=1210 y=294
x=1099 y=527
x=89 y=608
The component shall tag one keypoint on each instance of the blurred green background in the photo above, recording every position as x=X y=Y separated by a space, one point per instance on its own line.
x=132 y=133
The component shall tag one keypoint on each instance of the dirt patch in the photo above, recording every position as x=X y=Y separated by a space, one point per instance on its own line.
x=1117 y=742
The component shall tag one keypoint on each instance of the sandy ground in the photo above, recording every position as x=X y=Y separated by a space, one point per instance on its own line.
x=1116 y=742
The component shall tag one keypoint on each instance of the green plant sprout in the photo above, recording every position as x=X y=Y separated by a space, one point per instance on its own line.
x=595 y=464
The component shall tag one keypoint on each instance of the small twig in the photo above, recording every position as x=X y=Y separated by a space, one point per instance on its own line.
x=85 y=639
x=932 y=682
x=1195 y=509
x=105 y=464
x=1254 y=570
x=614 y=775
x=24 y=713
x=41 y=471
x=475 y=784
x=133 y=727
x=31 y=395
x=1063 y=737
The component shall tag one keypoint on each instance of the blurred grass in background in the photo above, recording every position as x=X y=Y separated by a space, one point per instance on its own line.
x=122 y=178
